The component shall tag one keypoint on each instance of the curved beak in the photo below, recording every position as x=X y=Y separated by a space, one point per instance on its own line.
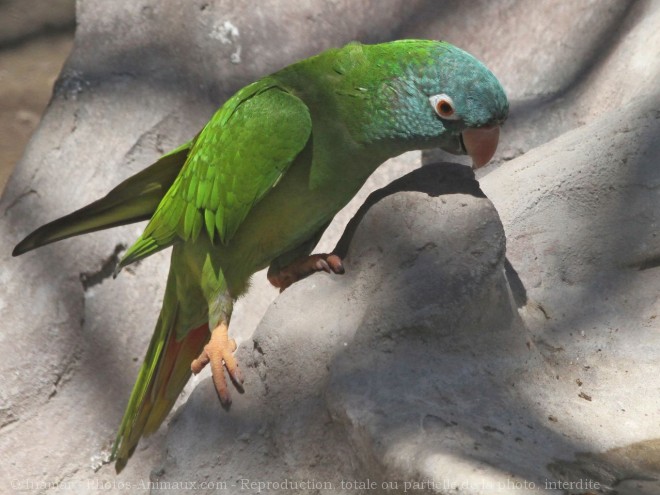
x=481 y=143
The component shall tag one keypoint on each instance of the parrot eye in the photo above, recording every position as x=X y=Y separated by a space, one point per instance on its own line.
x=443 y=106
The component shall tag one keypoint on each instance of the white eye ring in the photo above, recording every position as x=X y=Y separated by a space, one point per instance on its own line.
x=444 y=106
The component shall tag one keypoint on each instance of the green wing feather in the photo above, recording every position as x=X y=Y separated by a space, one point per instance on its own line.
x=133 y=200
x=238 y=157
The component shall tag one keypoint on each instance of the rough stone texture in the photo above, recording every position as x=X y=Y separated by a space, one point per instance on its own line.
x=424 y=362
x=583 y=237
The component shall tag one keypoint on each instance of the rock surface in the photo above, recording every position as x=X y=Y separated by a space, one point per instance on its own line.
x=433 y=358
x=583 y=237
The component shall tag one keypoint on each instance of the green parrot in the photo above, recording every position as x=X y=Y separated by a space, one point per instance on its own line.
x=259 y=184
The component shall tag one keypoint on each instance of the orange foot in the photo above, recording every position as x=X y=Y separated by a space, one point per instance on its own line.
x=304 y=267
x=219 y=352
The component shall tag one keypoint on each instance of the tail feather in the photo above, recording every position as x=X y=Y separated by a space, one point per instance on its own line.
x=181 y=332
x=175 y=373
x=189 y=307
x=133 y=200
x=164 y=373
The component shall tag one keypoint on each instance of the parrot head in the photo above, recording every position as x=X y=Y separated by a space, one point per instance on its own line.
x=469 y=104
x=441 y=96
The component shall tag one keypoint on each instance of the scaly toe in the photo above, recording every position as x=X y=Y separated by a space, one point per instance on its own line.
x=219 y=354
x=198 y=364
x=234 y=371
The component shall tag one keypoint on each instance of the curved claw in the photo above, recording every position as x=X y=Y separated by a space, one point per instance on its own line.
x=336 y=264
x=219 y=353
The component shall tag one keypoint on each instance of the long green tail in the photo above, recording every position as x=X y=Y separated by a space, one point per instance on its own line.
x=190 y=304
x=133 y=200
x=164 y=372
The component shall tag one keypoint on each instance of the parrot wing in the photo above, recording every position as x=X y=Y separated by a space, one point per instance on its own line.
x=133 y=200
x=239 y=156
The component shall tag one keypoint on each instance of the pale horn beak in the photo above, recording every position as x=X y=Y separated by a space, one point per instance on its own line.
x=481 y=143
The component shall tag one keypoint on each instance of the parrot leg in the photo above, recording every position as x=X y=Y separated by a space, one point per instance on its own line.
x=219 y=352
x=304 y=267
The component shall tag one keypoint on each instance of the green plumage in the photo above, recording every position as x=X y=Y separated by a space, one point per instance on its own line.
x=226 y=173
x=262 y=180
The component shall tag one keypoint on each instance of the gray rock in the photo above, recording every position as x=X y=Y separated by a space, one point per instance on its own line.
x=549 y=373
x=582 y=235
